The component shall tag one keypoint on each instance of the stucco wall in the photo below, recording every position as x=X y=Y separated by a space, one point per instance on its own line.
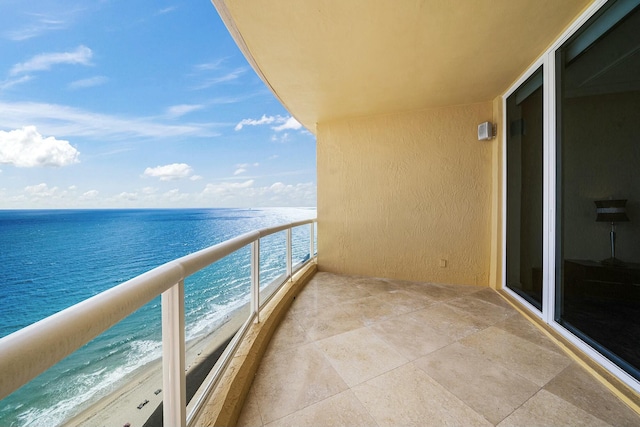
x=399 y=193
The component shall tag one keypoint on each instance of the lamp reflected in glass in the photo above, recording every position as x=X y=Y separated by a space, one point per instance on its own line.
x=612 y=211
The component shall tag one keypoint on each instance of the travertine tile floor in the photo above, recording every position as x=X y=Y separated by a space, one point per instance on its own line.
x=356 y=351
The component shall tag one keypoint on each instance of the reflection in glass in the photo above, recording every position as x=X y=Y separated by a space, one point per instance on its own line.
x=598 y=156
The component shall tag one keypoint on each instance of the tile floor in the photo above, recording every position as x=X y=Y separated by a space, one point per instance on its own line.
x=356 y=351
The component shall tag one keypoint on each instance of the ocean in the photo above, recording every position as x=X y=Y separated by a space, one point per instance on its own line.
x=52 y=259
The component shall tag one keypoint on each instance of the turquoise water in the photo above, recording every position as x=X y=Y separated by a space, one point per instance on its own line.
x=50 y=260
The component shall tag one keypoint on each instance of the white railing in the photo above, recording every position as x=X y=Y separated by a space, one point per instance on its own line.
x=30 y=351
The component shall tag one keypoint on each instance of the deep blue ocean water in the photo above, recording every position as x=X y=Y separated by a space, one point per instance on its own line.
x=52 y=259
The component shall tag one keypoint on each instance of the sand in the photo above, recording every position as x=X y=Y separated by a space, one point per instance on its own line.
x=121 y=406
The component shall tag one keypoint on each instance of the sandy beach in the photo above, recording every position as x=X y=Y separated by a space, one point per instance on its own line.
x=120 y=407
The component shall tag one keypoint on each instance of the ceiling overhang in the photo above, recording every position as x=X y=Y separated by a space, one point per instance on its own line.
x=332 y=59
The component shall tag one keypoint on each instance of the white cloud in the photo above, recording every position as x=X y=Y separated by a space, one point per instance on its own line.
x=246 y=194
x=42 y=195
x=231 y=76
x=225 y=188
x=195 y=178
x=72 y=188
x=285 y=137
x=228 y=99
x=127 y=196
x=90 y=82
x=14 y=82
x=27 y=148
x=209 y=66
x=166 y=10
x=243 y=167
x=277 y=187
x=182 y=109
x=63 y=120
x=174 y=196
x=169 y=172
x=89 y=195
x=264 y=120
x=280 y=194
x=44 y=61
x=41 y=190
x=283 y=123
x=290 y=123
x=149 y=190
x=36 y=29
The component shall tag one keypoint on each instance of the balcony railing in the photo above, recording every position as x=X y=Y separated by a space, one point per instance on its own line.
x=30 y=351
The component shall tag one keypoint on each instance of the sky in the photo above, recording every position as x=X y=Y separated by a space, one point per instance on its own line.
x=140 y=104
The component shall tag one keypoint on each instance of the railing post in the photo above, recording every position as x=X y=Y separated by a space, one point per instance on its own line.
x=312 y=247
x=255 y=279
x=173 y=357
x=289 y=255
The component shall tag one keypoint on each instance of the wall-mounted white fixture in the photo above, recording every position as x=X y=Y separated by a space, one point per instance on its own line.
x=485 y=131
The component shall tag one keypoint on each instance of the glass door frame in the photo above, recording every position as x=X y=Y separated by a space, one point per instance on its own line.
x=548 y=61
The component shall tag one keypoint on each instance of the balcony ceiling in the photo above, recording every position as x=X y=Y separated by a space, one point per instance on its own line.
x=331 y=59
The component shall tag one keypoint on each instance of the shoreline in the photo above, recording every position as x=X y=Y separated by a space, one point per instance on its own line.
x=120 y=407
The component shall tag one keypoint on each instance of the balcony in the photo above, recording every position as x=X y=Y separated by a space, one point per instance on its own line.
x=349 y=350
x=362 y=351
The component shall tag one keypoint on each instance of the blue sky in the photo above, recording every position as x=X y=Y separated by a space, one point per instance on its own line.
x=121 y=103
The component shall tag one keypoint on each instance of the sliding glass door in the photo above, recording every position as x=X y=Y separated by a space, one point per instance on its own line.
x=598 y=184
x=572 y=187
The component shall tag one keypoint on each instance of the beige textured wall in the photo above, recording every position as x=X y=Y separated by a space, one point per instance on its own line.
x=398 y=193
